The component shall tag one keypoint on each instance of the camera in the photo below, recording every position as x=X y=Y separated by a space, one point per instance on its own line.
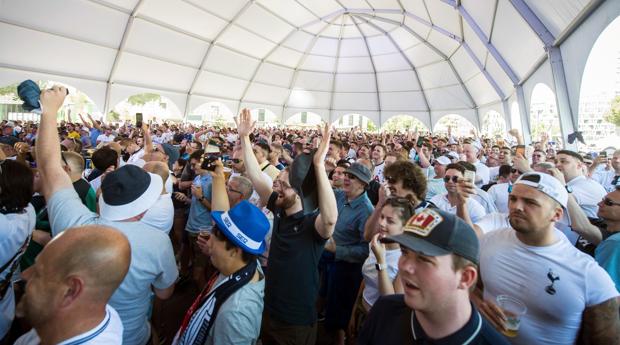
x=208 y=162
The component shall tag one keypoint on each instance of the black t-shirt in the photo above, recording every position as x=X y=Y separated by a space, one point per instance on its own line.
x=292 y=283
x=391 y=321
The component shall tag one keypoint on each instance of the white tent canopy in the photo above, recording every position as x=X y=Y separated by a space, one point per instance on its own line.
x=378 y=58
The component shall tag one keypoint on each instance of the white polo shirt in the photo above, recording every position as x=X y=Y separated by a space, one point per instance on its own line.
x=499 y=193
x=476 y=211
x=108 y=331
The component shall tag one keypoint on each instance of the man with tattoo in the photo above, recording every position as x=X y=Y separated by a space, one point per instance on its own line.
x=567 y=294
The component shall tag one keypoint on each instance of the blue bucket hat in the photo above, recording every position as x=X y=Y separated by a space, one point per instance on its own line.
x=245 y=224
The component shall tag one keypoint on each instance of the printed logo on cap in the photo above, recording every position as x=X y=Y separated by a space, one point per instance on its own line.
x=423 y=223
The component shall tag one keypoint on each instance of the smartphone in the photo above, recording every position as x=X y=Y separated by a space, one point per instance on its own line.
x=520 y=150
x=419 y=142
x=470 y=176
x=603 y=153
x=138 y=120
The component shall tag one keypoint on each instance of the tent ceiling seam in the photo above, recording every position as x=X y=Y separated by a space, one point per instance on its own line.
x=333 y=86
x=372 y=62
x=301 y=61
x=404 y=56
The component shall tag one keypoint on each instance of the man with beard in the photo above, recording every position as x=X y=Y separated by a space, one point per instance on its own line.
x=297 y=241
x=69 y=286
x=565 y=291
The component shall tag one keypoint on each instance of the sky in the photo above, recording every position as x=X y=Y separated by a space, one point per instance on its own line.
x=600 y=73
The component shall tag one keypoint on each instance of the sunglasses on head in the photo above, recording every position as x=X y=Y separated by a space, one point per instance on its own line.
x=448 y=178
x=607 y=201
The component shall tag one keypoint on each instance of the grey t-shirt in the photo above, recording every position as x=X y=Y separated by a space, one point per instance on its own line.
x=239 y=318
x=152 y=261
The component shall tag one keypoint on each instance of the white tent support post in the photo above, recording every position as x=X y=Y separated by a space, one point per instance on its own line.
x=568 y=120
x=206 y=56
x=301 y=61
x=440 y=30
x=374 y=69
x=119 y=52
x=413 y=68
x=524 y=114
x=437 y=51
x=507 y=116
x=335 y=69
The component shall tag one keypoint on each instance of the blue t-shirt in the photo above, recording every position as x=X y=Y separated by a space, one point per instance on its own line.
x=607 y=254
x=199 y=216
x=94 y=133
x=152 y=261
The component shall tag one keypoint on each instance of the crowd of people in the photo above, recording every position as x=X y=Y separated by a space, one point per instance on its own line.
x=310 y=236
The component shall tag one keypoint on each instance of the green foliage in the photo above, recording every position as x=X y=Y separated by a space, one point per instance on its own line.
x=10 y=90
x=371 y=127
x=403 y=123
x=143 y=98
x=613 y=115
x=113 y=116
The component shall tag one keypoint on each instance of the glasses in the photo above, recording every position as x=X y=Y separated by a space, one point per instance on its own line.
x=447 y=179
x=515 y=171
x=609 y=202
x=236 y=160
x=233 y=190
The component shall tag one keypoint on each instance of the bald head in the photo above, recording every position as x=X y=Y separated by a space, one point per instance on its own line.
x=158 y=168
x=155 y=156
x=74 y=161
x=100 y=255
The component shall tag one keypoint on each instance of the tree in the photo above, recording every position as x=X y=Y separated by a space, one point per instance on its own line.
x=10 y=90
x=613 y=115
x=143 y=98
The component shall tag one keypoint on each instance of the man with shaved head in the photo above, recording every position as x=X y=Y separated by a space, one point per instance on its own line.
x=161 y=214
x=69 y=286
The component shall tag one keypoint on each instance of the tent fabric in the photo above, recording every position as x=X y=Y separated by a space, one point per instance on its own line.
x=378 y=58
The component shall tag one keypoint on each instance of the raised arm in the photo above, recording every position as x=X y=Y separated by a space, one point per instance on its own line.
x=48 y=144
x=326 y=221
x=148 y=141
x=579 y=222
x=245 y=126
x=371 y=226
x=85 y=122
x=219 y=197
x=95 y=124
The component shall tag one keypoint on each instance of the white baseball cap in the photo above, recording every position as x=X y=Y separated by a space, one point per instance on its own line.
x=443 y=160
x=546 y=184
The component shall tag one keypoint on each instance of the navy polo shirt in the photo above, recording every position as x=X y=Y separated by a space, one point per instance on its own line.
x=391 y=321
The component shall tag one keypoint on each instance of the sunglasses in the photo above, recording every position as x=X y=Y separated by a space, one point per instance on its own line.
x=233 y=190
x=515 y=171
x=447 y=179
x=236 y=160
x=610 y=202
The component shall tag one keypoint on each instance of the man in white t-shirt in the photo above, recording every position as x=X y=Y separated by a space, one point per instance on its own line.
x=106 y=137
x=482 y=171
x=448 y=202
x=69 y=286
x=378 y=160
x=587 y=192
x=565 y=291
x=607 y=177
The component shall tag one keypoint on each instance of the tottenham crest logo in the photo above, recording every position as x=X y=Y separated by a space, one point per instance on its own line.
x=552 y=277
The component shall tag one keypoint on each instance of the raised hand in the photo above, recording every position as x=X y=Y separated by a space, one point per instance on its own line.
x=321 y=152
x=52 y=99
x=245 y=125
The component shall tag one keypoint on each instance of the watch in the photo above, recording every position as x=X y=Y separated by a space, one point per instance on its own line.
x=380 y=267
x=569 y=189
